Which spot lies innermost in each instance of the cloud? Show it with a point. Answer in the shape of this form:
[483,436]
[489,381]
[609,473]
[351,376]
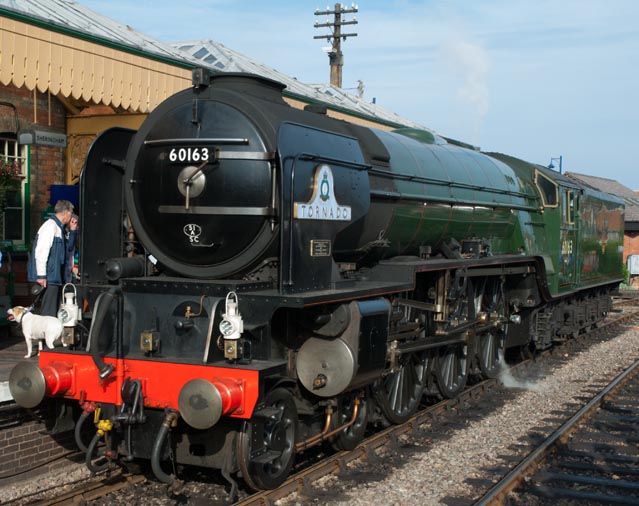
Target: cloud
[471,63]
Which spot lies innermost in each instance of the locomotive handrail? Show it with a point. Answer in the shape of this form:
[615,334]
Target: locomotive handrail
[209,334]
[245,155]
[451,201]
[100,312]
[299,156]
[452,184]
[214,140]
[118,164]
[321,158]
[219,210]
[219,154]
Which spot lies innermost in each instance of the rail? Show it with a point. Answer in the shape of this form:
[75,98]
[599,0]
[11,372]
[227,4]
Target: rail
[530,466]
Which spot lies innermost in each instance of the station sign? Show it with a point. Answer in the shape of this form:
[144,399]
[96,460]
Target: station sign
[42,138]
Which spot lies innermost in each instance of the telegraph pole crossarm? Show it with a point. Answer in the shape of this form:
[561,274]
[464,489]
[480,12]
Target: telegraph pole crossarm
[335,56]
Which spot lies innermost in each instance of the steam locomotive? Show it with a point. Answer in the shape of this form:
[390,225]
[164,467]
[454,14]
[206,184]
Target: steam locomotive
[258,279]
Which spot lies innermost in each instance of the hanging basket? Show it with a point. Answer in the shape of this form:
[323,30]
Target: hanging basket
[10,171]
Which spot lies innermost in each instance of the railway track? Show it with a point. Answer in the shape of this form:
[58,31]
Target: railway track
[593,457]
[302,481]
[90,492]
[390,437]
[82,492]
[368,451]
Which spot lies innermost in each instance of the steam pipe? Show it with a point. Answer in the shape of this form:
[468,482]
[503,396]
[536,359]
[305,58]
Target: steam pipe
[78,430]
[94,468]
[169,420]
[325,434]
[88,408]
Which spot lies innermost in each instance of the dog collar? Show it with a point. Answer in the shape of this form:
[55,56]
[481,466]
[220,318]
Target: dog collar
[26,310]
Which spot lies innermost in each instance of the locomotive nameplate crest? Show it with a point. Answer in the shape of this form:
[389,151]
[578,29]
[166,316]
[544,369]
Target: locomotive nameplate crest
[323,204]
[320,248]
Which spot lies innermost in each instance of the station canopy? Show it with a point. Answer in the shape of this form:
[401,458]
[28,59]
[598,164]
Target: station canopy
[65,48]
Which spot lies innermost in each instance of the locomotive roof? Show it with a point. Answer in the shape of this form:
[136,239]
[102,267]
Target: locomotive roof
[558,176]
[77,20]
[569,181]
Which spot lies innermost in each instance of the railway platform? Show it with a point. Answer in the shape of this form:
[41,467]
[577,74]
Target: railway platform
[12,351]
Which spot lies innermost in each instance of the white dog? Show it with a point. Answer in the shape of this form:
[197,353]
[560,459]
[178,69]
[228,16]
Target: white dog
[36,327]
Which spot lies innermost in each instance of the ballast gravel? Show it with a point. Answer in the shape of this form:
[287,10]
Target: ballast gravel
[430,477]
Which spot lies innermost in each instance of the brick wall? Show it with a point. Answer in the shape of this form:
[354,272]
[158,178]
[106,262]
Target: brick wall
[44,112]
[26,447]
[630,244]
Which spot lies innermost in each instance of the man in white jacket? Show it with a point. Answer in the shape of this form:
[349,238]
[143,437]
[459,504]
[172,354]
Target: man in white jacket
[50,254]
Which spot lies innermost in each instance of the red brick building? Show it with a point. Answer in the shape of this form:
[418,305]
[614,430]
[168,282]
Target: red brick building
[39,166]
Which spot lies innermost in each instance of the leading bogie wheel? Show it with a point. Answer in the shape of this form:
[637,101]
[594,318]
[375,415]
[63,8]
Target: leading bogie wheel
[266,443]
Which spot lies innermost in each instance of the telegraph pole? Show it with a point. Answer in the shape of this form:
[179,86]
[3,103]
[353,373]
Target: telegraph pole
[335,55]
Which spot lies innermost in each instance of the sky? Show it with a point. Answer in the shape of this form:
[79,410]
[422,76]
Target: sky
[535,79]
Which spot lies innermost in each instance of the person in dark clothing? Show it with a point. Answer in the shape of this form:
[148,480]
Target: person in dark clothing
[50,254]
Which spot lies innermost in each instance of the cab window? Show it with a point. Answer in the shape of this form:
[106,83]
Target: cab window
[548,190]
[568,205]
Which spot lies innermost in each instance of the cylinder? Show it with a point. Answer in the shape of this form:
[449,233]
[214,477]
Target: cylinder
[326,366]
